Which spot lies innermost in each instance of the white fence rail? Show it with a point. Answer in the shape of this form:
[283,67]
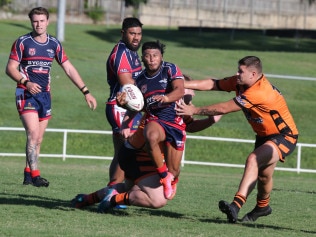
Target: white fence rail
[64,154]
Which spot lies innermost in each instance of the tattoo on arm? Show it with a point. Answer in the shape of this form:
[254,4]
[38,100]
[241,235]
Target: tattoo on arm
[208,112]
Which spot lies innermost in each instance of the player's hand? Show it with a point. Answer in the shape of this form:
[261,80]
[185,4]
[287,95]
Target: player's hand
[184,109]
[121,99]
[161,98]
[91,101]
[125,132]
[33,87]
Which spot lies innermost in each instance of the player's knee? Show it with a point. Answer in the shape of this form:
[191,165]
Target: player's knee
[159,203]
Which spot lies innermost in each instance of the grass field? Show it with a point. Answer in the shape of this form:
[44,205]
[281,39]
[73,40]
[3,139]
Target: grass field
[194,212]
[44,212]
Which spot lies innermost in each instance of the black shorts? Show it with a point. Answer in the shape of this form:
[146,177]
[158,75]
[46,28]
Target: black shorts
[285,143]
[136,164]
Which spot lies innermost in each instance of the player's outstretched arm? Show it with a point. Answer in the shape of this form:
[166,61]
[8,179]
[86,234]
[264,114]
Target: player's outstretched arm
[201,85]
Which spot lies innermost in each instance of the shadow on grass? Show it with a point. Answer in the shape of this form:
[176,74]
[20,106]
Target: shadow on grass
[20,25]
[229,40]
[34,200]
[257,226]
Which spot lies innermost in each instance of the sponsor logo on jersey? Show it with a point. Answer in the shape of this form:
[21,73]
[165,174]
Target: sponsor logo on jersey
[32,51]
[50,53]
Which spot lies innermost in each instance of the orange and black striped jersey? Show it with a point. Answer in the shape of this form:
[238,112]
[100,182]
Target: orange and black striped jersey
[263,105]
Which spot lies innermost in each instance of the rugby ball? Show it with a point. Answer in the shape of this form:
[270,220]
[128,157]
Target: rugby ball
[134,97]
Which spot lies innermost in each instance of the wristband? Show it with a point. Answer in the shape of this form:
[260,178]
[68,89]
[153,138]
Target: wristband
[86,92]
[83,88]
[24,83]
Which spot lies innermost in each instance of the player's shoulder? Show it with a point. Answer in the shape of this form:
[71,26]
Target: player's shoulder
[168,64]
[24,37]
[52,38]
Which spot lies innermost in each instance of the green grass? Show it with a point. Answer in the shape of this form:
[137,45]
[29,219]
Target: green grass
[194,212]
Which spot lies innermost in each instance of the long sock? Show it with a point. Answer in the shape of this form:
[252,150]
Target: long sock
[162,171]
[263,202]
[93,198]
[35,173]
[120,199]
[239,200]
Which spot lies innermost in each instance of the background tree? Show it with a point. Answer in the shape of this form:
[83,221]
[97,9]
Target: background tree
[135,4]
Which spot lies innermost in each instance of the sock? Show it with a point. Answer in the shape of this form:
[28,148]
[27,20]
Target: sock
[239,200]
[93,198]
[35,173]
[27,170]
[162,171]
[120,199]
[263,202]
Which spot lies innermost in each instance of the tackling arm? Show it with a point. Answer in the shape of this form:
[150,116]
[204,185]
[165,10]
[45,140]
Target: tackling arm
[201,85]
[210,110]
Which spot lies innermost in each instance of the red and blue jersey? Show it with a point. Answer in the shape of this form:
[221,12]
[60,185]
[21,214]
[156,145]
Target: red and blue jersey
[121,60]
[161,84]
[36,58]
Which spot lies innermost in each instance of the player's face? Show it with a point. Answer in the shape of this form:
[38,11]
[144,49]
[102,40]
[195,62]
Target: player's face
[245,75]
[39,24]
[132,37]
[152,59]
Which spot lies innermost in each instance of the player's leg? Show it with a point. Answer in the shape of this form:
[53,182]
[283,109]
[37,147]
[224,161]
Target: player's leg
[154,134]
[34,132]
[262,157]
[148,193]
[114,115]
[280,146]
[173,161]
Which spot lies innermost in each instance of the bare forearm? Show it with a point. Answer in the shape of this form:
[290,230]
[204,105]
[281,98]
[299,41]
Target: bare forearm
[201,85]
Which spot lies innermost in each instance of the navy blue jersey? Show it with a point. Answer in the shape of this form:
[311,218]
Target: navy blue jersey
[121,60]
[160,84]
[36,58]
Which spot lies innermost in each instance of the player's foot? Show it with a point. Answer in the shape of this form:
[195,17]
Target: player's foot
[27,178]
[167,187]
[106,204]
[38,181]
[120,207]
[80,201]
[256,213]
[229,210]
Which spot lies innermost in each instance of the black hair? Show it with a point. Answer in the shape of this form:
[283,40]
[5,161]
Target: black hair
[154,45]
[131,22]
[251,61]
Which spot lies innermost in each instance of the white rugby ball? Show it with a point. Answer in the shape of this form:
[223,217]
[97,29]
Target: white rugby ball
[134,97]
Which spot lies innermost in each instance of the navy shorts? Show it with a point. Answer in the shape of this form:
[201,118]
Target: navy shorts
[174,136]
[39,103]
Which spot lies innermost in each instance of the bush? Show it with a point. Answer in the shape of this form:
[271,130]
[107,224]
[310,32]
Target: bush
[96,14]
